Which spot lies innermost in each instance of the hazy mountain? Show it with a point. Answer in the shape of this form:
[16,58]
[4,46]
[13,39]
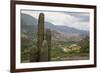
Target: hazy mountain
[29,27]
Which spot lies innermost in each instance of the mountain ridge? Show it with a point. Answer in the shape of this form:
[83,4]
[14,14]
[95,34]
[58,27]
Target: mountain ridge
[29,24]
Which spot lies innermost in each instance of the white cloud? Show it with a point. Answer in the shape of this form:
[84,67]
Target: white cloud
[76,20]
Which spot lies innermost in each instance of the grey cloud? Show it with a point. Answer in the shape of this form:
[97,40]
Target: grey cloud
[82,16]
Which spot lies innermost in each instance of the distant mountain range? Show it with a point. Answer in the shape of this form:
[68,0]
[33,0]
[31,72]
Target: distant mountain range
[59,32]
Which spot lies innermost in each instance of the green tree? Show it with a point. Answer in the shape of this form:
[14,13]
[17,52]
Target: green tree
[84,43]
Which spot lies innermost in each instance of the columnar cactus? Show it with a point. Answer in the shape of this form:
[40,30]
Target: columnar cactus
[48,38]
[44,51]
[40,33]
[43,41]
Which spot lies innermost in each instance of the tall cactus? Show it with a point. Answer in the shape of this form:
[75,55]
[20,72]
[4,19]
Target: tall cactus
[43,41]
[48,38]
[40,33]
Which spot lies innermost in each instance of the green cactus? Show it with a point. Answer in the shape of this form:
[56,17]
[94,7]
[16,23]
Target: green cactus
[40,30]
[40,33]
[48,38]
[43,41]
[44,51]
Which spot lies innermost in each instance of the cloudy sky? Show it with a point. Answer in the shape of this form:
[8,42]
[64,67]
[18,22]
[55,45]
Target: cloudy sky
[78,20]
